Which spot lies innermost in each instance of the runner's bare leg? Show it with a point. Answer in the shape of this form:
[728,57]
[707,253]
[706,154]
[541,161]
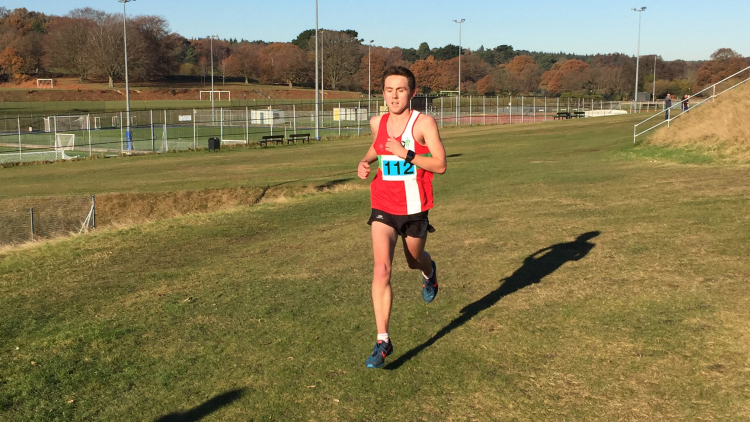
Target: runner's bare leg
[416,256]
[383,244]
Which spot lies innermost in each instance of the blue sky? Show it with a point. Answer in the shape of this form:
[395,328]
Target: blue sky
[686,29]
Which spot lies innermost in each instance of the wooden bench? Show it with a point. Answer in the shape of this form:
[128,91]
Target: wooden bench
[562,115]
[279,139]
[579,114]
[304,137]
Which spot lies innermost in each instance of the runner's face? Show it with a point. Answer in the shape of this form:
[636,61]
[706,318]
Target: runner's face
[397,93]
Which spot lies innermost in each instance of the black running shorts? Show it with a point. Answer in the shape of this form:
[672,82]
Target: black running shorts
[414,225]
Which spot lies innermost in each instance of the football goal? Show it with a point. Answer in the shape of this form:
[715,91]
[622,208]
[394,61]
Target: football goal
[45,83]
[65,141]
[209,93]
[30,157]
[66,123]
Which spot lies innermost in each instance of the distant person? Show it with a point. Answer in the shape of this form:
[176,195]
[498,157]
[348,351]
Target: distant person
[407,147]
[667,105]
[685,101]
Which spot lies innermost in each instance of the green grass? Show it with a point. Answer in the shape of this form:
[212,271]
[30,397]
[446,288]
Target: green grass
[263,312]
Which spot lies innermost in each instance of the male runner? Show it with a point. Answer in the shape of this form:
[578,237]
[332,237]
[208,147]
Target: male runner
[408,148]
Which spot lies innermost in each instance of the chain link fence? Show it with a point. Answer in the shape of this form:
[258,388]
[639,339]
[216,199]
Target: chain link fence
[30,219]
[56,137]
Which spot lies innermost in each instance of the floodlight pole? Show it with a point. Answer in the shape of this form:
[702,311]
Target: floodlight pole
[212,73]
[638,57]
[459,54]
[369,75]
[654,93]
[127,84]
[317,118]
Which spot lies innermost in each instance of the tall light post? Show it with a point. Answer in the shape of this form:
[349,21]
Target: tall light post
[212,72]
[369,75]
[128,133]
[317,116]
[654,93]
[638,57]
[459,54]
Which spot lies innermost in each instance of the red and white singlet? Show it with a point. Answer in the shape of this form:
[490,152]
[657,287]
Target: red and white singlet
[400,188]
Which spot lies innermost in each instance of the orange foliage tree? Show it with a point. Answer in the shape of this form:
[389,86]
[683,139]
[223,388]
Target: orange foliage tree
[11,62]
[525,74]
[570,76]
[724,62]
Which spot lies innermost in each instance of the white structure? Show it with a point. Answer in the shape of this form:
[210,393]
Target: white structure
[66,123]
[267,117]
[351,114]
[229,94]
[45,83]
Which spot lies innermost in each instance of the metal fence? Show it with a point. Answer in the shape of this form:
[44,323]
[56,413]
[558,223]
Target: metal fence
[30,219]
[55,137]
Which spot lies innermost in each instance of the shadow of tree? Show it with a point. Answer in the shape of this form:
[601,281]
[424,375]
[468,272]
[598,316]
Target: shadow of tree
[535,267]
[199,412]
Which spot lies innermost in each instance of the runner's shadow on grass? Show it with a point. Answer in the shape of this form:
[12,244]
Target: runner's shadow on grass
[535,267]
[453,155]
[333,183]
[199,412]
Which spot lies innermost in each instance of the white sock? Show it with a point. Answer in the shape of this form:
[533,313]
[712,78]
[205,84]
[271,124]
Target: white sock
[427,277]
[383,337]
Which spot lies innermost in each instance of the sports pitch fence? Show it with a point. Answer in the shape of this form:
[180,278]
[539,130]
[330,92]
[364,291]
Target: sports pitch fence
[55,137]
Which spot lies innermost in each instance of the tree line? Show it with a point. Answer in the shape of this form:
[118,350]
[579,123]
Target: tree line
[89,44]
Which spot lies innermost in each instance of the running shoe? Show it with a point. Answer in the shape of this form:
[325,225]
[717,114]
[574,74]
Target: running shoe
[379,352]
[430,285]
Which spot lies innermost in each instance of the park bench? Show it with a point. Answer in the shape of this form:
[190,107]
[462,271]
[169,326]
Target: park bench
[579,114]
[279,139]
[304,137]
[562,115]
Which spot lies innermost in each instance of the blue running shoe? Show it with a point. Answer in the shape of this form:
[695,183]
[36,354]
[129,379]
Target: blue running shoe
[430,286]
[379,352]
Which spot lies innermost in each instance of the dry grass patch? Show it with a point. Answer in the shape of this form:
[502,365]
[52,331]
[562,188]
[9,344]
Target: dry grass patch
[719,128]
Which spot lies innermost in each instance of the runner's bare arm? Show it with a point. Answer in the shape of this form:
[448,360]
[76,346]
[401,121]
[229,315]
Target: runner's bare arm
[363,168]
[427,127]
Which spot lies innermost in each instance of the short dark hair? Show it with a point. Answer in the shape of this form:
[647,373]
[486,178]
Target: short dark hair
[401,71]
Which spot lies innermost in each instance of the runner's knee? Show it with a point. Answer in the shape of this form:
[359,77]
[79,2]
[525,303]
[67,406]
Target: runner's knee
[382,272]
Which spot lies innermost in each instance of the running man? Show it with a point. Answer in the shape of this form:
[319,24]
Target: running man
[408,149]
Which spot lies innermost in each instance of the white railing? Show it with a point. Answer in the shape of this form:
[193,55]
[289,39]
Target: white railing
[668,117]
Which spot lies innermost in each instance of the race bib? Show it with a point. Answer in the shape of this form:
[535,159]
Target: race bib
[396,169]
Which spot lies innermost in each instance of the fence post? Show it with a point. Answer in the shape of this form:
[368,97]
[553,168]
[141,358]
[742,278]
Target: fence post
[484,111]
[55,121]
[470,115]
[247,127]
[534,112]
[294,117]
[441,112]
[165,135]
[340,116]
[93,214]
[195,129]
[510,108]
[153,142]
[545,109]
[20,145]
[88,124]
[32,223]
[221,122]
[497,109]
[359,108]
[119,123]
[522,108]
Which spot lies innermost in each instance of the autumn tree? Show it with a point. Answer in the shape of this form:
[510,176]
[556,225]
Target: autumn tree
[724,63]
[244,62]
[431,75]
[283,63]
[340,55]
[570,76]
[524,73]
[10,62]
[68,46]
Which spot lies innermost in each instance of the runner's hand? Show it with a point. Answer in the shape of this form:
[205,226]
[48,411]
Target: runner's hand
[394,147]
[363,170]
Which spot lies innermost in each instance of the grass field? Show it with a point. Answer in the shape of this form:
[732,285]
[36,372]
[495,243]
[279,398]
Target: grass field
[581,278]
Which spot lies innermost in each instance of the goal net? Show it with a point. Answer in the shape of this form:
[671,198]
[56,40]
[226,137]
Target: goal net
[65,141]
[216,95]
[30,157]
[66,123]
[45,83]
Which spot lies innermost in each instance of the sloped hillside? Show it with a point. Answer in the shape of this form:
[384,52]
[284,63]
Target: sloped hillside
[720,127]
